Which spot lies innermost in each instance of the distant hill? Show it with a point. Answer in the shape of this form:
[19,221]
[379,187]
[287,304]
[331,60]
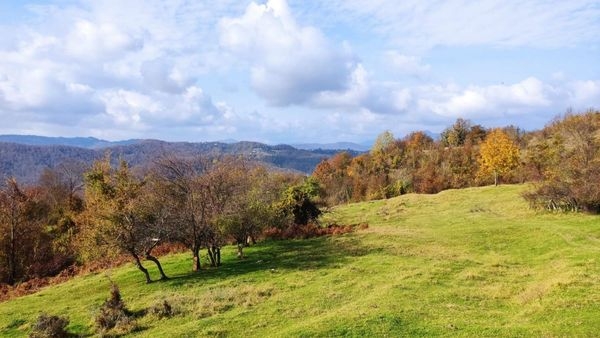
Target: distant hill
[81,142]
[27,159]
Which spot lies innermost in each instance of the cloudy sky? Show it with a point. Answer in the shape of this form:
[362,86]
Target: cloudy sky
[291,71]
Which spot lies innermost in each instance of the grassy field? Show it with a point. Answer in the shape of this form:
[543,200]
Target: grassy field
[472,262]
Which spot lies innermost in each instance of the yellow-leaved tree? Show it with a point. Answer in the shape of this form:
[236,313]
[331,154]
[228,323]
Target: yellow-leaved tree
[498,155]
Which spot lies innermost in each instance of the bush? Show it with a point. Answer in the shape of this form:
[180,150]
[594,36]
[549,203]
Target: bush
[163,309]
[310,230]
[113,313]
[49,326]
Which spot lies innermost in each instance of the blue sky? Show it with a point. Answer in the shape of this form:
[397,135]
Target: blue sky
[292,71]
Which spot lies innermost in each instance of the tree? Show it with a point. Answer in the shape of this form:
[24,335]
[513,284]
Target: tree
[498,155]
[299,202]
[333,176]
[23,243]
[566,156]
[117,217]
[197,193]
[382,141]
[178,181]
[12,206]
[456,135]
[61,191]
[251,208]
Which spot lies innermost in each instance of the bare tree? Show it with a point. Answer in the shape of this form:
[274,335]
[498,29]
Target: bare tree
[185,196]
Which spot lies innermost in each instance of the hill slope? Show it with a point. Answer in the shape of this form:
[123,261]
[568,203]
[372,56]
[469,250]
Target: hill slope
[473,262]
[26,162]
[81,142]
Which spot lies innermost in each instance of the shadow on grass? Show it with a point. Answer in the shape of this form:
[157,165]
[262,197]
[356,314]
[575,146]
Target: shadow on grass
[281,255]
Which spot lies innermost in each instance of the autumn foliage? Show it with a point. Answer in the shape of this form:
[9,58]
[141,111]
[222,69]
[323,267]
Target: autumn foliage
[563,161]
[75,215]
[498,155]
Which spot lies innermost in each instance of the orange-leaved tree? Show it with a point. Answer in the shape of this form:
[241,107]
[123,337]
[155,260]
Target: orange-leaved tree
[498,155]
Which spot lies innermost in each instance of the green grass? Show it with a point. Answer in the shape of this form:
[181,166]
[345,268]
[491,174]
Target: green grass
[472,262]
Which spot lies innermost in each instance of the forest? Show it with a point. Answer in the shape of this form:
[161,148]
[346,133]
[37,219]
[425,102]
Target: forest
[80,216]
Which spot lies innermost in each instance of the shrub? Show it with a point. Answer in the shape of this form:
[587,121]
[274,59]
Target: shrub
[113,312]
[163,309]
[310,230]
[49,326]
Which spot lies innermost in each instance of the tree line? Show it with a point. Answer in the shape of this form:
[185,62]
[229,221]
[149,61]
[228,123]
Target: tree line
[78,215]
[562,160]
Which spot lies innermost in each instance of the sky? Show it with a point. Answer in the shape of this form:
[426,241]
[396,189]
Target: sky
[292,71]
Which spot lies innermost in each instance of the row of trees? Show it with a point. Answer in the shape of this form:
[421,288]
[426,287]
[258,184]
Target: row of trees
[77,214]
[563,159]
[466,155]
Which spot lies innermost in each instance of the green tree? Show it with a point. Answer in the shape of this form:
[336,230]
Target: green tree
[251,208]
[117,217]
[498,155]
[456,135]
[300,202]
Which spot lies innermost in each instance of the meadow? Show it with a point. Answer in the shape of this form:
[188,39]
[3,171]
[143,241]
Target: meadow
[470,262]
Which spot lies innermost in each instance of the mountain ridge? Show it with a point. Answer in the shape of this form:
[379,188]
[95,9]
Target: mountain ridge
[26,162]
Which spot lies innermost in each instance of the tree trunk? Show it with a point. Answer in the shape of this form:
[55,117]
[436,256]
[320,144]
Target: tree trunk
[12,262]
[138,263]
[158,265]
[211,256]
[218,255]
[240,250]
[196,253]
[495,178]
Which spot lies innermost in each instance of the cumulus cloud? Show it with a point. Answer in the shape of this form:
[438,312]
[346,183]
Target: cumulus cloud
[289,63]
[160,75]
[345,69]
[128,66]
[90,41]
[140,111]
[483,101]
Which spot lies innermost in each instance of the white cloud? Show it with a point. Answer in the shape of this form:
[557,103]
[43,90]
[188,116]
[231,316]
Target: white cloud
[585,94]
[406,64]
[357,91]
[289,63]
[529,93]
[111,64]
[96,41]
[155,68]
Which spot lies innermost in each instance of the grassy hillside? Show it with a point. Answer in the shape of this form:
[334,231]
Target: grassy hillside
[473,262]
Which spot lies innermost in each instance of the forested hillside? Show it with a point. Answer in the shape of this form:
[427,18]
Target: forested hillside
[27,162]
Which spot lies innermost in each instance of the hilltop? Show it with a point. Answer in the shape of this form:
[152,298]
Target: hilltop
[471,262]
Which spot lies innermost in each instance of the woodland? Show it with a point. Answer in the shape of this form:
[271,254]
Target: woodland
[103,214]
